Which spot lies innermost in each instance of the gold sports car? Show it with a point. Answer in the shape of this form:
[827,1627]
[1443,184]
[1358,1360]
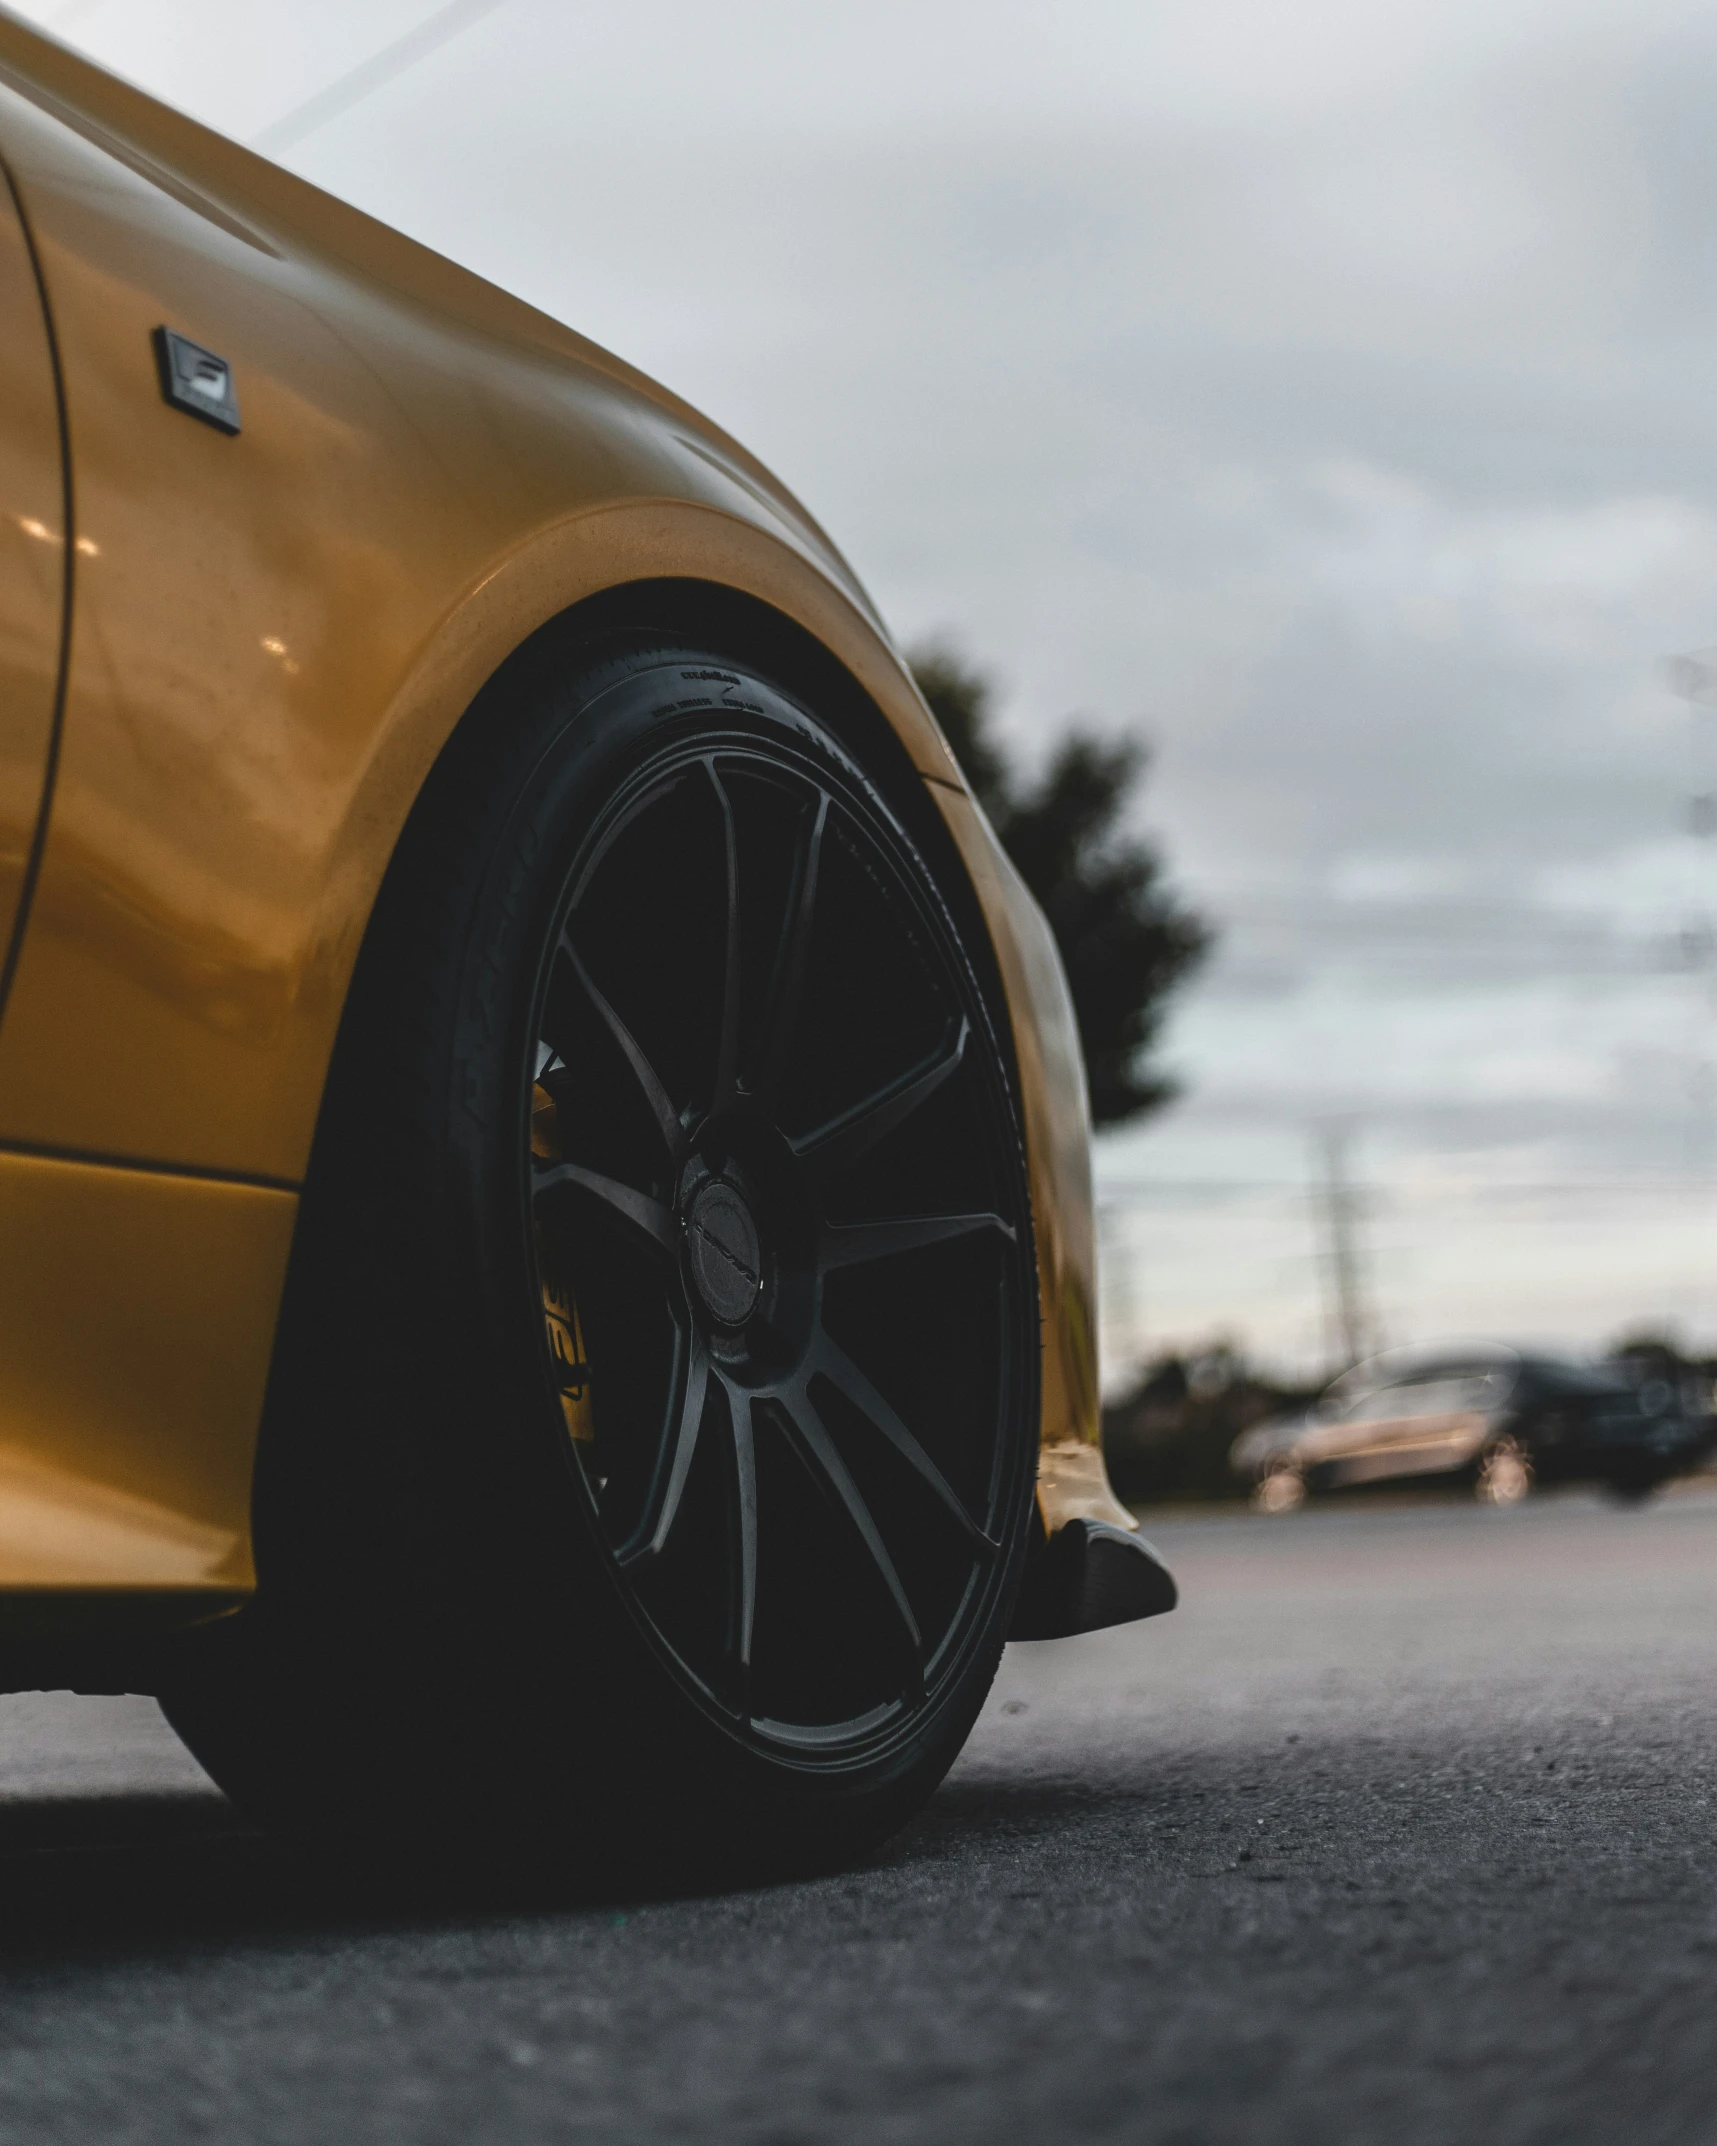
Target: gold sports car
[545,1231]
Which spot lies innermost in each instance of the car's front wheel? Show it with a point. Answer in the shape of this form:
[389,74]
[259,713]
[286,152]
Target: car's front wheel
[1279,1490]
[1504,1474]
[653,1432]
[1634,1483]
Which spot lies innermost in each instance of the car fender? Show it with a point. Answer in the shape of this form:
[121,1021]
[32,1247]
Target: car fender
[428,471]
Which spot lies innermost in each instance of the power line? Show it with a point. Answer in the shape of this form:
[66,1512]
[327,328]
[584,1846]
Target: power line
[373,74]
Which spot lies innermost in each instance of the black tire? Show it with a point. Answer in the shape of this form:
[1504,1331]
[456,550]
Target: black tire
[1635,1485]
[660,1026]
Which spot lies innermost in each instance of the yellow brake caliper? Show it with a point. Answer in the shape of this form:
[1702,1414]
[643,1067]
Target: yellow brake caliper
[560,1313]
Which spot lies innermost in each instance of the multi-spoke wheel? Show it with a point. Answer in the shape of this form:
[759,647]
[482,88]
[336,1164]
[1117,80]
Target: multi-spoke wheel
[778,1238]
[669,1237]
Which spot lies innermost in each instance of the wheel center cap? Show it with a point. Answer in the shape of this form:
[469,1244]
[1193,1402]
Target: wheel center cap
[725,1253]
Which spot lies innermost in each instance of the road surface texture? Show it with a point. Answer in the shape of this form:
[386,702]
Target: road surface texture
[1400,1830]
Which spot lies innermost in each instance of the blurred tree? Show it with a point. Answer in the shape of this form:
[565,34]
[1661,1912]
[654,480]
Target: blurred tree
[1125,941]
[1167,1439]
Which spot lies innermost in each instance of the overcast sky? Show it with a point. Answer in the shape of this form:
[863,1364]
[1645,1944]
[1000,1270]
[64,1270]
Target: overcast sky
[1327,393]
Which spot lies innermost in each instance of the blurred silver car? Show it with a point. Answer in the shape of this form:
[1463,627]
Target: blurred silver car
[1493,1415]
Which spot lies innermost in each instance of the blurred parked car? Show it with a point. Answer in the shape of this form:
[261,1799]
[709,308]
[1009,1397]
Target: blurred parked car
[1498,1418]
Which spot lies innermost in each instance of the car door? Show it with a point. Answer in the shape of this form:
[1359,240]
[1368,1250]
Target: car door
[34,579]
[1416,1427]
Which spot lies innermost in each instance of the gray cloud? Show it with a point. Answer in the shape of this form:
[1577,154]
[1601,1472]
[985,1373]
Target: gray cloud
[1323,392]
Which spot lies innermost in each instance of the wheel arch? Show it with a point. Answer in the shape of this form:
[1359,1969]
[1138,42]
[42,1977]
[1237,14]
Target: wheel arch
[790,622]
[669,567]
[889,740]
[729,585]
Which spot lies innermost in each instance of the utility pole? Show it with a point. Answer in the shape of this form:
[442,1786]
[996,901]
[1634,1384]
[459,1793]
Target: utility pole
[1348,1323]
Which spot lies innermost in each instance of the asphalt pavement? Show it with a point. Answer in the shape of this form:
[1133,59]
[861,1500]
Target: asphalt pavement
[1400,1829]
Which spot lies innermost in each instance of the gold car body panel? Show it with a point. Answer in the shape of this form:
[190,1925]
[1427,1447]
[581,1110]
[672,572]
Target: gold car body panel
[275,633]
[1072,1482]
[136,1316]
[32,559]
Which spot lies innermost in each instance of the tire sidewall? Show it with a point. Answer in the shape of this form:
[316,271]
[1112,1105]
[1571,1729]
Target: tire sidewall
[539,774]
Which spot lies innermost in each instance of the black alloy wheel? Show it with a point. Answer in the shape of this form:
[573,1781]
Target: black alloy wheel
[663,1308]
[779,1243]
